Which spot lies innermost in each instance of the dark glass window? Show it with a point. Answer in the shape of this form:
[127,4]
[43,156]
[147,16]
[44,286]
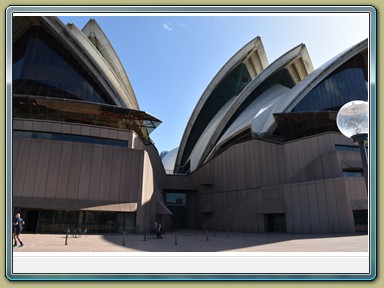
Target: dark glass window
[43,67]
[59,221]
[353,173]
[69,137]
[347,83]
[346,148]
[176,199]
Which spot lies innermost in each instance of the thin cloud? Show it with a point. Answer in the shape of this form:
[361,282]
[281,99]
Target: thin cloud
[167,26]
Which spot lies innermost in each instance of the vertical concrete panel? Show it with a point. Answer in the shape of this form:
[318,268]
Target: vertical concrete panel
[17,124]
[240,165]
[264,158]
[313,208]
[31,172]
[323,208]
[247,165]
[136,178]
[53,169]
[66,128]
[85,171]
[36,126]
[228,176]
[233,173]
[282,165]
[15,154]
[224,169]
[96,171]
[267,159]
[56,127]
[76,130]
[248,206]
[288,161]
[297,214]
[27,125]
[288,208]
[317,160]
[335,169]
[327,169]
[85,130]
[126,194]
[324,157]
[95,132]
[74,173]
[65,167]
[252,161]
[332,207]
[42,169]
[276,178]
[300,150]
[344,207]
[106,173]
[116,174]
[21,167]
[306,216]
[295,162]
[361,189]
[353,194]
[309,169]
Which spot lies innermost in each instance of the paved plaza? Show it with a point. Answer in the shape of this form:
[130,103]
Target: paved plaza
[194,241]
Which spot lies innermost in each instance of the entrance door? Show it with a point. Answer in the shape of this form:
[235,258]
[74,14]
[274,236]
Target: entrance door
[275,222]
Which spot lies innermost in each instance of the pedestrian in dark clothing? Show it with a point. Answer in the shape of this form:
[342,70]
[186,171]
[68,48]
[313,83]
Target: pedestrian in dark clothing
[18,227]
[159,231]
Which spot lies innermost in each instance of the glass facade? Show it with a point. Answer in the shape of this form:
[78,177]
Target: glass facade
[70,138]
[349,82]
[42,66]
[74,111]
[59,221]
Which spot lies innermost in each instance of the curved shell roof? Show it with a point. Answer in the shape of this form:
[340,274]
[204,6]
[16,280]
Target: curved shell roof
[247,63]
[98,56]
[277,88]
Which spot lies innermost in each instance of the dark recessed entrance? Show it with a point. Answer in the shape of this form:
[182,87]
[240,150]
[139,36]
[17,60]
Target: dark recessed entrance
[275,222]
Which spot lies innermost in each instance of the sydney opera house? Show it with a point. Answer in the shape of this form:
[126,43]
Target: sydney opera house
[261,151]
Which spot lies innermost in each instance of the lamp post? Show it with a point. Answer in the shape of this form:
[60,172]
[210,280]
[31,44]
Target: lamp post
[352,121]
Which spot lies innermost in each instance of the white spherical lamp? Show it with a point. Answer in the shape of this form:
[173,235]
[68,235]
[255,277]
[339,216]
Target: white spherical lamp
[352,118]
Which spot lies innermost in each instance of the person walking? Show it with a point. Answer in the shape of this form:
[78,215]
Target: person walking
[158,231]
[18,227]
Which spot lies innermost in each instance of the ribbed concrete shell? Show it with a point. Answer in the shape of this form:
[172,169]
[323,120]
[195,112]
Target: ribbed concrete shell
[255,113]
[253,56]
[286,102]
[299,54]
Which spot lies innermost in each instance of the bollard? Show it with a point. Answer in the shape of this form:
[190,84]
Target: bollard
[123,238]
[66,237]
[228,233]
[175,239]
[206,234]
[145,236]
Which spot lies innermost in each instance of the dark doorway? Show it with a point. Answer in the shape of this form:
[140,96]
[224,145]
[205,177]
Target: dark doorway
[274,222]
[31,220]
[361,220]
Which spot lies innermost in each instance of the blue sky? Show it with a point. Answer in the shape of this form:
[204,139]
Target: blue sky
[170,60]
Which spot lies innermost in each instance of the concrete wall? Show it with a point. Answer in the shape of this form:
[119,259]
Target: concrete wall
[302,179]
[71,176]
[62,175]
